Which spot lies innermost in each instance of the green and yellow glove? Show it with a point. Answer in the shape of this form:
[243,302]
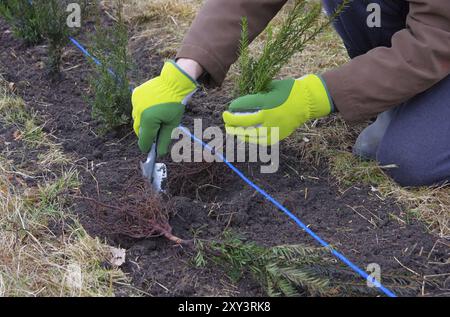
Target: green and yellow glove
[158,106]
[288,104]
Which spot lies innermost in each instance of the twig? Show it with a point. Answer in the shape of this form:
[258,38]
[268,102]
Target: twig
[97,202]
[405,267]
[362,216]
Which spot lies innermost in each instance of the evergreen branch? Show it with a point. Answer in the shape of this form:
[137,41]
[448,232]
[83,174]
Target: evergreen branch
[301,26]
[292,270]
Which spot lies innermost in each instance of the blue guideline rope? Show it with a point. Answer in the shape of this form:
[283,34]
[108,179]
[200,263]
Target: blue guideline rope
[86,53]
[267,196]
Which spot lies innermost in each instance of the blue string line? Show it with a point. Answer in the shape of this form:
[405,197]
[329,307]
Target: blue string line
[267,196]
[86,53]
[353,266]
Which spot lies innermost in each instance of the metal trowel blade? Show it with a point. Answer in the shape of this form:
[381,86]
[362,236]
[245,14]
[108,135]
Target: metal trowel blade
[155,173]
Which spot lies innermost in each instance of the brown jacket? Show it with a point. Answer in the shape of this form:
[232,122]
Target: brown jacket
[367,85]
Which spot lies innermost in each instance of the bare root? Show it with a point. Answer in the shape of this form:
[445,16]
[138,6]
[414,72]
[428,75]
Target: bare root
[139,214]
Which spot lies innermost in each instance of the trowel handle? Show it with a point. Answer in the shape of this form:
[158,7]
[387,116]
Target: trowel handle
[152,155]
[149,165]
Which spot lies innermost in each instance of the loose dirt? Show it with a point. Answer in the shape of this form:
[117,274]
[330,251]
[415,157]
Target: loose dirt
[206,198]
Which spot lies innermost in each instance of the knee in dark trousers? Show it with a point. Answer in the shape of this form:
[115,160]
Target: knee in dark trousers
[358,36]
[405,169]
[417,140]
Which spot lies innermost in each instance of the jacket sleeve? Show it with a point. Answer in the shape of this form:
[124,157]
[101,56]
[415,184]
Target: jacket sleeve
[385,77]
[213,39]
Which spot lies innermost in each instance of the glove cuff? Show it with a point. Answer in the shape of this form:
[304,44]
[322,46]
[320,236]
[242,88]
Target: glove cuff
[178,80]
[319,100]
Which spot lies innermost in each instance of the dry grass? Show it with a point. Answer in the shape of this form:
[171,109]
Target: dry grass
[428,204]
[330,141]
[159,11]
[44,251]
[13,113]
[164,21]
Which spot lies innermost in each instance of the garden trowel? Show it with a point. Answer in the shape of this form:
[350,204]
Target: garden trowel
[155,173]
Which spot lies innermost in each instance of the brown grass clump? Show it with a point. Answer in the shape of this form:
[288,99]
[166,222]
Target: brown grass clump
[44,251]
[174,11]
[428,204]
[162,21]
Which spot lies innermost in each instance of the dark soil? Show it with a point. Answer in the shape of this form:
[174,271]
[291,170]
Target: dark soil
[207,198]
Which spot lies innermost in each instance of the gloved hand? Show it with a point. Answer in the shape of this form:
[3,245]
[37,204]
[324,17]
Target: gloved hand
[158,106]
[289,104]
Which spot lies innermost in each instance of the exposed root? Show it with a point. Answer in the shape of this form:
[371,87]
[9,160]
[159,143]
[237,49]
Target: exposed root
[140,215]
